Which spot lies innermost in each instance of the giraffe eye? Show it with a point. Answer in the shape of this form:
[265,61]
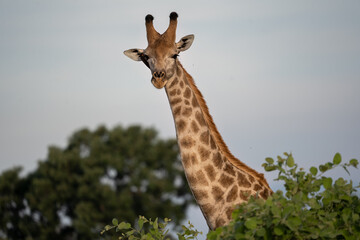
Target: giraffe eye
[174,56]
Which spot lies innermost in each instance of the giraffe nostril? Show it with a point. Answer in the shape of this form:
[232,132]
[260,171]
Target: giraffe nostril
[159,74]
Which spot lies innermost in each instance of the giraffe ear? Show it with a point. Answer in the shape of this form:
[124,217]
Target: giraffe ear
[185,43]
[134,53]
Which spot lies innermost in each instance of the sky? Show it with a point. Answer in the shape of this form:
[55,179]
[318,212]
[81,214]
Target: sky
[278,76]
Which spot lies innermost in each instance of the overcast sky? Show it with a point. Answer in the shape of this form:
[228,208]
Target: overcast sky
[277,75]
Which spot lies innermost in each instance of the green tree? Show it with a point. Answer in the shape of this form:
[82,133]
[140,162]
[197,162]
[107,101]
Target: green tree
[72,194]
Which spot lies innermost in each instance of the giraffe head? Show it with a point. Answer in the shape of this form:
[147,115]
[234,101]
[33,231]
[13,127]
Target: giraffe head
[162,51]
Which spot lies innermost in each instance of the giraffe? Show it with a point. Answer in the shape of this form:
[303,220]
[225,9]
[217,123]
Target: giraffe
[217,179]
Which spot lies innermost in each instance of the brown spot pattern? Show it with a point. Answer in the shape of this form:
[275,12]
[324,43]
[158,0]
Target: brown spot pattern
[242,181]
[187,102]
[172,92]
[201,179]
[191,179]
[212,143]
[264,194]
[182,84]
[194,102]
[217,160]
[229,169]
[217,193]
[175,101]
[187,142]
[194,127]
[204,153]
[229,212]
[204,137]
[251,179]
[232,195]
[200,119]
[194,161]
[200,195]
[208,208]
[219,222]
[187,93]
[181,125]
[245,194]
[186,160]
[177,111]
[178,92]
[210,172]
[173,83]
[226,181]
[257,187]
[187,112]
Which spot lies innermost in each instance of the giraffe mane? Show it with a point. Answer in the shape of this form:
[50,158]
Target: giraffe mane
[215,133]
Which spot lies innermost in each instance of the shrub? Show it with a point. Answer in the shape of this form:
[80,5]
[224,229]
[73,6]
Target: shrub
[313,207]
[149,230]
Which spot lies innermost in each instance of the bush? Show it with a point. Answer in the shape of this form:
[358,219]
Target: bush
[313,207]
[149,230]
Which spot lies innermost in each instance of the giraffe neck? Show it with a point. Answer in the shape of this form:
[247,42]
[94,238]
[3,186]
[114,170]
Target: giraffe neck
[216,178]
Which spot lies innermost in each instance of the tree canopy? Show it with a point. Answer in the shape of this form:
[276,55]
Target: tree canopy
[76,190]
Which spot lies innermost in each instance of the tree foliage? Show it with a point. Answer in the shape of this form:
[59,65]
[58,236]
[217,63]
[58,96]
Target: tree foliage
[72,194]
[313,207]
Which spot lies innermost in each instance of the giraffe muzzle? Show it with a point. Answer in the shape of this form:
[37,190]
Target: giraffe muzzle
[158,79]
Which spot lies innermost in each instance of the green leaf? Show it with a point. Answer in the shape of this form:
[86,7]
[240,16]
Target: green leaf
[115,222]
[340,182]
[346,214]
[327,182]
[141,223]
[354,162]
[290,161]
[293,222]
[323,168]
[124,225]
[155,224]
[278,231]
[130,233]
[313,171]
[345,197]
[181,237]
[337,159]
[108,227]
[261,232]
[269,160]
[270,168]
[132,237]
[213,234]
[251,223]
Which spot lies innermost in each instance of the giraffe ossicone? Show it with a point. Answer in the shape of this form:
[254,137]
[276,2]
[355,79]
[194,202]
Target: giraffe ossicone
[217,179]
